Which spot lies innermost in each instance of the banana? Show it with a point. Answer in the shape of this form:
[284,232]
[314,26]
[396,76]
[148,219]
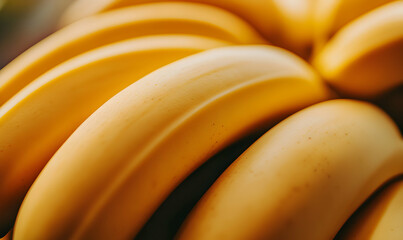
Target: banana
[364,59]
[303,178]
[381,217]
[286,23]
[296,25]
[96,31]
[331,15]
[43,115]
[117,168]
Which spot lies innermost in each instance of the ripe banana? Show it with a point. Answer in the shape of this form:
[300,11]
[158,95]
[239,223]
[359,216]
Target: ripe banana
[43,115]
[117,168]
[331,15]
[284,22]
[96,31]
[365,58]
[303,178]
[379,219]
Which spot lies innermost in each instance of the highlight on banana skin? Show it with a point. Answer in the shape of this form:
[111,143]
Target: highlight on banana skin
[201,119]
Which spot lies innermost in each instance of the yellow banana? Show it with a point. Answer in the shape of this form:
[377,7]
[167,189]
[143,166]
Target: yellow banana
[380,218]
[116,169]
[365,58]
[38,119]
[257,12]
[331,15]
[284,22]
[296,24]
[96,31]
[303,178]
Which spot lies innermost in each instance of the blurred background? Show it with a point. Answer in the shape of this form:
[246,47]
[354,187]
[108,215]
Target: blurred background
[25,22]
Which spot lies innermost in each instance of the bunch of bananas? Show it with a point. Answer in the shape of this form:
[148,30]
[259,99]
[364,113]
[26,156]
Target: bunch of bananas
[101,121]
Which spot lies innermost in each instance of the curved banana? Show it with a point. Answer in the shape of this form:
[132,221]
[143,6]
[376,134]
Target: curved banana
[116,169]
[303,178]
[43,115]
[96,31]
[365,58]
[381,217]
[331,15]
[286,23]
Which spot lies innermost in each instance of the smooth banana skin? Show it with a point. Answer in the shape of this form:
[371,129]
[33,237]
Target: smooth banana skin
[365,58]
[96,31]
[286,23]
[380,218]
[117,168]
[329,16]
[303,178]
[38,119]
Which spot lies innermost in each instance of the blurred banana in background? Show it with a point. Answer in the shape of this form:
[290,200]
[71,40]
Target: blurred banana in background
[364,59]
[96,31]
[286,23]
[332,15]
